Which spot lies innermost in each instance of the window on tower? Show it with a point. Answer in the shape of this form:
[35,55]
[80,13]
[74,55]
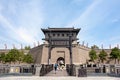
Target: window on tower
[67,35]
[48,35]
[62,35]
[53,34]
[58,34]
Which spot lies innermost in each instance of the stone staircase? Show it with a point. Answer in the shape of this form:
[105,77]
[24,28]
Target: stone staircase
[58,73]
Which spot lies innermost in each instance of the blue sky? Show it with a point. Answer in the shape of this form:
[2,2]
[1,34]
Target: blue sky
[21,20]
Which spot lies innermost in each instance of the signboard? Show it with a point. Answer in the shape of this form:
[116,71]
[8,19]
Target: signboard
[60,43]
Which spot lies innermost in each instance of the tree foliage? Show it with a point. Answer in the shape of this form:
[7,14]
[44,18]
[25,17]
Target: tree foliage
[115,54]
[8,58]
[28,58]
[12,55]
[94,47]
[27,48]
[2,57]
[93,55]
[102,56]
[15,55]
[20,56]
[118,58]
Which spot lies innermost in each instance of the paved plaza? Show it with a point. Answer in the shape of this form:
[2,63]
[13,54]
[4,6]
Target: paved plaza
[56,78]
[60,75]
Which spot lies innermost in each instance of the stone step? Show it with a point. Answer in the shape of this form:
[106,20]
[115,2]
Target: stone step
[57,73]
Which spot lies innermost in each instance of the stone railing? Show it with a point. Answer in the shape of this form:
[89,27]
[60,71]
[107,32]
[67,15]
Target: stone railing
[82,72]
[17,69]
[45,69]
[4,69]
[25,69]
[76,70]
[71,69]
[115,70]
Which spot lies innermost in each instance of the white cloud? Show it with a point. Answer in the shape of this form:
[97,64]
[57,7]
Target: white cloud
[113,41]
[25,36]
[115,38]
[20,34]
[88,20]
[24,26]
[115,20]
[5,22]
[82,19]
[1,8]
[13,33]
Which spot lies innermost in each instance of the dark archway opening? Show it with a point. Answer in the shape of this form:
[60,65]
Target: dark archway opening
[61,61]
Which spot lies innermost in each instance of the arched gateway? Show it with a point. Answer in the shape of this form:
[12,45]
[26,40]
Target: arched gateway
[60,42]
[61,61]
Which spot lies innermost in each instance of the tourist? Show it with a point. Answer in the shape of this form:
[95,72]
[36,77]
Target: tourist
[62,66]
[55,67]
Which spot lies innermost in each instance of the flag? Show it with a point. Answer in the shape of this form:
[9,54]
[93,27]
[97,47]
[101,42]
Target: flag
[21,46]
[118,46]
[87,45]
[110,46]
[83,43]
[13,46]
[102,46]
[5,46]
[34,44]
[38,43]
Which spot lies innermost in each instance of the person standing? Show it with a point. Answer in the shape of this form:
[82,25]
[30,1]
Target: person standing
[55,67]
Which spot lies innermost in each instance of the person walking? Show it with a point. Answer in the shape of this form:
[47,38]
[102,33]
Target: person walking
[55,67]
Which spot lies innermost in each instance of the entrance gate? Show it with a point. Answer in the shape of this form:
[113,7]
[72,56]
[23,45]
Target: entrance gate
[61,61]
[60,37]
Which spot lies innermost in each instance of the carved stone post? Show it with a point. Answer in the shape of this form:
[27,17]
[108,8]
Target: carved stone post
[50,47]
[70,48]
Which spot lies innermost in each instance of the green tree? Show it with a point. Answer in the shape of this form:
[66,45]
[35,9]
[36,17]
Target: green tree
[2,57]
[115,54]
[94,47]
[93,55]
[102,56]
[7,58]
[12,56]
[27,48]
[119,58]
[20,56]
[28,58]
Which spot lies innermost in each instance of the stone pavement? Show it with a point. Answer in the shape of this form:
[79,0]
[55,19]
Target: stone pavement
[56,78]
[58,73]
